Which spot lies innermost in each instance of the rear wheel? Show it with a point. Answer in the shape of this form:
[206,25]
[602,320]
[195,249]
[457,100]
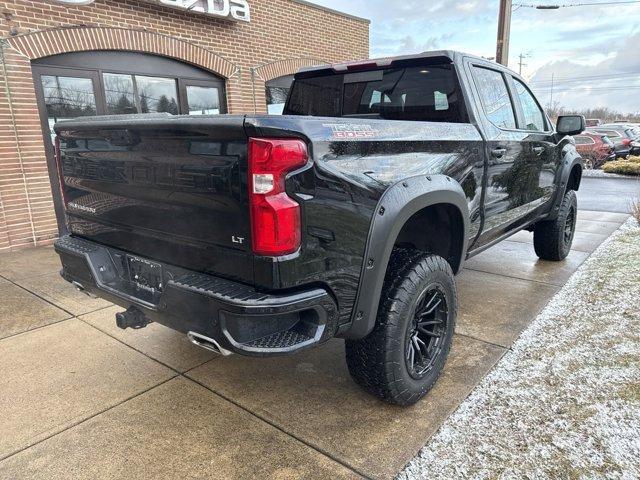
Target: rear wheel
[401,359]
[552,239]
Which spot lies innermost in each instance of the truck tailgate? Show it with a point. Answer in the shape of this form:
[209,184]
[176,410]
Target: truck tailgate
[163,187]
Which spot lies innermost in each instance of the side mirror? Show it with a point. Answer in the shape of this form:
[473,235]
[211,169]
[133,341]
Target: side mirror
[571,124]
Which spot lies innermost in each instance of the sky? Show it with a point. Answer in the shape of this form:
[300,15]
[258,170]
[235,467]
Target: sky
[592,52]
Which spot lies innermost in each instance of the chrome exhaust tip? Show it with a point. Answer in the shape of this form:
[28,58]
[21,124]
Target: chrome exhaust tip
[207,343]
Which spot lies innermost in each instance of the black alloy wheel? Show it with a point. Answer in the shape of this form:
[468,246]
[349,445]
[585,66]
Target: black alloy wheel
[423,344]
[402,358]
[570,226]
[552,239]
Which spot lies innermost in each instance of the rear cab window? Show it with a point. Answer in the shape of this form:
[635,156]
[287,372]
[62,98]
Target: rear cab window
[422,93]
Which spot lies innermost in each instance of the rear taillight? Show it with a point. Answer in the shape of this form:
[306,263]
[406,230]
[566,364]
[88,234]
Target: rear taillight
[626,142]
[58,159]
[275,217]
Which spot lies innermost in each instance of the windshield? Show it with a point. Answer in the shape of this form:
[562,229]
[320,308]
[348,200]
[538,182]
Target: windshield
[429,93]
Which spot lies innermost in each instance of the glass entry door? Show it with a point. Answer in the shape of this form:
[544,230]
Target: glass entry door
[108,83]
[63,94]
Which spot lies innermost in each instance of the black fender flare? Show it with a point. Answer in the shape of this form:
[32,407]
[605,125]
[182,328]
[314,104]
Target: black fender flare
[570,158]
[397,205]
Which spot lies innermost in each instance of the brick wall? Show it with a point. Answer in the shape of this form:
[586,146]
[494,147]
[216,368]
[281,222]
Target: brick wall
[283,35]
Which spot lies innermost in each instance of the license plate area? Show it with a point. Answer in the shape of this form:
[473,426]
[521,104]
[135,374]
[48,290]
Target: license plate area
[144,274]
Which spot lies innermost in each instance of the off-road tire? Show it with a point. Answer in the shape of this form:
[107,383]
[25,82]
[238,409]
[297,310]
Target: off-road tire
[378,362]
[552,239]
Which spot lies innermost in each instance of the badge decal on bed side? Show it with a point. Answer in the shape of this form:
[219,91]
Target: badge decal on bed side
[351,130]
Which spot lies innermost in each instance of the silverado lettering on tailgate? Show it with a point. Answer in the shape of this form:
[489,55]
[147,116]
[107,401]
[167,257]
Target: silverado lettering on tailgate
[195,178]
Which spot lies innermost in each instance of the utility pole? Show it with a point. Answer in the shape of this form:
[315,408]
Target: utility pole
[504,29]
[521,64]
[551,98]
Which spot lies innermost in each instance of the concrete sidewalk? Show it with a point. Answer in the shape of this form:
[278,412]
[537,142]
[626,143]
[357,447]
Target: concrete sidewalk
[83,399]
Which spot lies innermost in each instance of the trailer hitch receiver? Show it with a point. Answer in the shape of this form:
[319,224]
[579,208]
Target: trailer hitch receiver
[131,318]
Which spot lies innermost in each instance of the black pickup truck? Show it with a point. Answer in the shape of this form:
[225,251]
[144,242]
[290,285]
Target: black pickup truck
[346,217]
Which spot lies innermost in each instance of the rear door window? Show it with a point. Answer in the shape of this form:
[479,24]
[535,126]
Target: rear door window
[495,98]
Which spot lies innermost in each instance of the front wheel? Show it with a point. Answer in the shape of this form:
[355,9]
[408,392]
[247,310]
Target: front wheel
[552,239]
[401,359]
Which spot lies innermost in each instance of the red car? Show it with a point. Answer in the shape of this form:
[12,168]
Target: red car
[595,149]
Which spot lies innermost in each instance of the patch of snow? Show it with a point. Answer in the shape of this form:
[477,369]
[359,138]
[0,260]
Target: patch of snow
[564,402]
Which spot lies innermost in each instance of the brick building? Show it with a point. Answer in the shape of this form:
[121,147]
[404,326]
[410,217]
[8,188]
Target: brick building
[67,58]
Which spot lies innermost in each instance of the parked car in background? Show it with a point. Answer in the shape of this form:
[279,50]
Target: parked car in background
[635,128]
[622,136]
[625,122]
[631,132]
[595,149]
[593,122]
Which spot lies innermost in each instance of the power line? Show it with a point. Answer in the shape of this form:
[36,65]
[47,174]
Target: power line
[555,7]
[586,77]
[587,89]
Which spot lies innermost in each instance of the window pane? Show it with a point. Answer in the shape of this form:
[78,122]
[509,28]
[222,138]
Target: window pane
[417,93]
[276,98]
[277,90]
[119,93]
[420,93]
[203,100]
[318,96]
[533,116]
[495,97]
[157,95]
[67,97]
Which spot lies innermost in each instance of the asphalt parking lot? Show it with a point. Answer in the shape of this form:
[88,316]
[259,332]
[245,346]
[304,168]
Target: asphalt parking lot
[608,194]
[81,398]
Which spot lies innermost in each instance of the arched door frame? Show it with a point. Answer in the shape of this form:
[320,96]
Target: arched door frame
[68,39]
[278,68]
